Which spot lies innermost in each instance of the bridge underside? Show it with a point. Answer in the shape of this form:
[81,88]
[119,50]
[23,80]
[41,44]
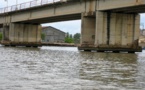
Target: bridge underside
[53,19]
[133,9]
[113,29]
[101,31]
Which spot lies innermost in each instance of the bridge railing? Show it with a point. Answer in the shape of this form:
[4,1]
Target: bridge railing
[27,5]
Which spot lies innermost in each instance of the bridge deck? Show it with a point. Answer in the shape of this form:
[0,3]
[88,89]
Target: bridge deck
[133,9]
[45,13]
[127,6]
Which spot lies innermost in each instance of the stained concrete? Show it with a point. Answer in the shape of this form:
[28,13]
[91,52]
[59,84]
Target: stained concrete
[106,24]
[23,34]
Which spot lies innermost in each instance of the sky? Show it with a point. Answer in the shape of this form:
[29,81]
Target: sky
[68,26]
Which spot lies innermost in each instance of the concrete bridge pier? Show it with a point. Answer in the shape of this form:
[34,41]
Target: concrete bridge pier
[109,31]
[20,34]
[88,30]
[5,33]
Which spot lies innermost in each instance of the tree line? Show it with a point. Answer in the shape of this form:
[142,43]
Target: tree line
[72,38]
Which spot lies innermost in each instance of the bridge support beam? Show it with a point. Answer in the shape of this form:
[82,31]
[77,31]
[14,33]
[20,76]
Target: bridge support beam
[111,32]
[22,34]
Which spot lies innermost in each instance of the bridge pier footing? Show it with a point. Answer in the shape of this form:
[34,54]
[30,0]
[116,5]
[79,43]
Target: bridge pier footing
[115,50]
[109,31]
[18,34]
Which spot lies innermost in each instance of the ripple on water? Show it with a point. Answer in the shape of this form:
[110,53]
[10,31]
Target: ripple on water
[65,68]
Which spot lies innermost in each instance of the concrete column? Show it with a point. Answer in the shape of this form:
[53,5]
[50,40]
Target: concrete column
[117,31]
[12,34]
[88,30]
[23,34]
[39,33]
[6,33]
[124,30]
[137,27]
[113,32]
[101,29]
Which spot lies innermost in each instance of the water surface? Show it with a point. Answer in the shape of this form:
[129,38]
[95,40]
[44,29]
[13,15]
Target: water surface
[66,68]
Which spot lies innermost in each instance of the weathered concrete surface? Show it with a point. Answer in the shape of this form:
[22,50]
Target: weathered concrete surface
[71,10]
[88,30]
[6,33]
[101,28]
[22,34]
[127,6]
[106,24]
[114,31]
[48,13]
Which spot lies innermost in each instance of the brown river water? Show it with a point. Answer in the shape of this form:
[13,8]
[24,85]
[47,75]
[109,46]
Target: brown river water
[66,68]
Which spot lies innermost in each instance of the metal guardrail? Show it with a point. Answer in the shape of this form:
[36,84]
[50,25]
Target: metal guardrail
[30,4]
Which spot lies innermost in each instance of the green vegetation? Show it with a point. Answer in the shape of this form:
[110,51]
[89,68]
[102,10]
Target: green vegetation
[72,39]
[68,38]
[1,35]
[42,36]
[77,38]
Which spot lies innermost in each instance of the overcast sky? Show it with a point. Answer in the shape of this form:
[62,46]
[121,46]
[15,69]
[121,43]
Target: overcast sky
[68,26]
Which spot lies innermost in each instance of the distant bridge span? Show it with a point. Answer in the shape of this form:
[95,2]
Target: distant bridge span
[107,25]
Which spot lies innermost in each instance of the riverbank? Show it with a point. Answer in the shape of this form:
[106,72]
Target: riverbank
[45,44]
[59,44]
[142,41]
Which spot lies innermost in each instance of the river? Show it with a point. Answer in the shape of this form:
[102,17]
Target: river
[66,68]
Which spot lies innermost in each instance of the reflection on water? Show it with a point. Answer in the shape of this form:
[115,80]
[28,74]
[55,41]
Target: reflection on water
[65,68]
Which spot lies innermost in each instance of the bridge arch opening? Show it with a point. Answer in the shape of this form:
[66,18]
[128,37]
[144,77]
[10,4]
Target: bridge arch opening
[71,27]
[64,31]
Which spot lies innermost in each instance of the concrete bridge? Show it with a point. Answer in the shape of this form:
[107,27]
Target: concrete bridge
[107,25]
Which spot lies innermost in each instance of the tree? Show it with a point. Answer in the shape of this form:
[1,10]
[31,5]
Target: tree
[42,36]
[71,36]
[77,38]
[68,38]
[1,35]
